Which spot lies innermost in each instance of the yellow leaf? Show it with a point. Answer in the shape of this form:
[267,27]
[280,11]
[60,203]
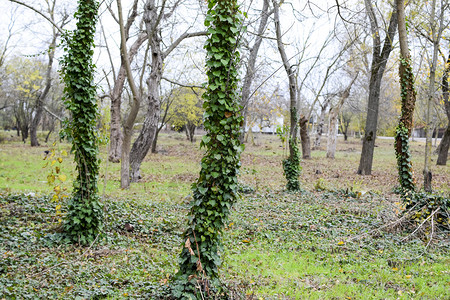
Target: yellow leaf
[60,159]
[50,179]
[64,153]
[245,241]
[62,177]
[408,276]
[395,269]
[57,169]
[57,189]
[58,207]
[53,162]
[341,243]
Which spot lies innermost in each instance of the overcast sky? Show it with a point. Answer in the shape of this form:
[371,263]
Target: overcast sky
[32,32]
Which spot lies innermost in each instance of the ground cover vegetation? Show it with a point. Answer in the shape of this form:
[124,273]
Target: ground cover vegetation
[343,236]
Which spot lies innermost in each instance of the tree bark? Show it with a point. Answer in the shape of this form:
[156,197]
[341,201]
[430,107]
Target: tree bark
[436,36]
[145,139]
[445,142]
[379,61]
[319,129]
[41,99]
[128,126]
[333,120]
[304,137]
[250,73]
[116,136]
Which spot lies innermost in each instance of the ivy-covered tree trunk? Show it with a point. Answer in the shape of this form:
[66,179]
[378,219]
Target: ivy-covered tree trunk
[291,165]
[216,188]
[408,95]
[84,214]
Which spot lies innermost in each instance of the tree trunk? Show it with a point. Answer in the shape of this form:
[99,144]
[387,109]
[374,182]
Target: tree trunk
[190,129]
[148,132]
[116,135]
[445,142]
[135,103]
[40,101]
[332,135]
[333,120]
[35,123]
[250,73]
[444,147]
[436,36]
[379,61]
[291,165]
[304,137]
[154,142]
[320,124]
[408,95]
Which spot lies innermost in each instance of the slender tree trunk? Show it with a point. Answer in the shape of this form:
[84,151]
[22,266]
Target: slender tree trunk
[116,134]
[128,126]
[445,142]
[379,61]
[291,165]
[250,73]
[333,120]
[436,36]
[320,124]
[304,137]
[40,101]
[148,132]
[408,95]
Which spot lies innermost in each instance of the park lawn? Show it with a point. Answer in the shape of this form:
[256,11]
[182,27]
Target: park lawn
[323,243]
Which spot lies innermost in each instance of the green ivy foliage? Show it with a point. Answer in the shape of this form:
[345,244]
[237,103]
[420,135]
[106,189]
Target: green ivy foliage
[403,130]
[217,187]
[291,165]
[83,221]
[291,168]
[425,204]
[404,165]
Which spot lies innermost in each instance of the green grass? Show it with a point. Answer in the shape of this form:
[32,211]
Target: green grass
[313,245]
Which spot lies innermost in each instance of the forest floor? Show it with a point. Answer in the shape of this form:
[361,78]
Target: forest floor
[341,238]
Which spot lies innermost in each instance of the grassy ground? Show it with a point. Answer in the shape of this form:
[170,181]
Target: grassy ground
[319,244]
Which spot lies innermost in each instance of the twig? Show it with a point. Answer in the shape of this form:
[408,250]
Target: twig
[432,232]
[384,226]
[431,215]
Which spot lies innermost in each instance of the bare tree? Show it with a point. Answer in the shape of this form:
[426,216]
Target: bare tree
[116,135]
[40,102]
[253,54]
[128,125]
[333,118]
[379,60]
[152,19]
[436,33]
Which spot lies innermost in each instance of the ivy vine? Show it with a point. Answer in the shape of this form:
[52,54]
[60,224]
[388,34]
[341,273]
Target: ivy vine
[291,165]
[403,130]
[83,221]
[404,165]
[291,168]
[216,188]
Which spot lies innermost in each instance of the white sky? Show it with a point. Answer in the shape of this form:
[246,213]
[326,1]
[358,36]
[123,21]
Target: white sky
[32,32]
